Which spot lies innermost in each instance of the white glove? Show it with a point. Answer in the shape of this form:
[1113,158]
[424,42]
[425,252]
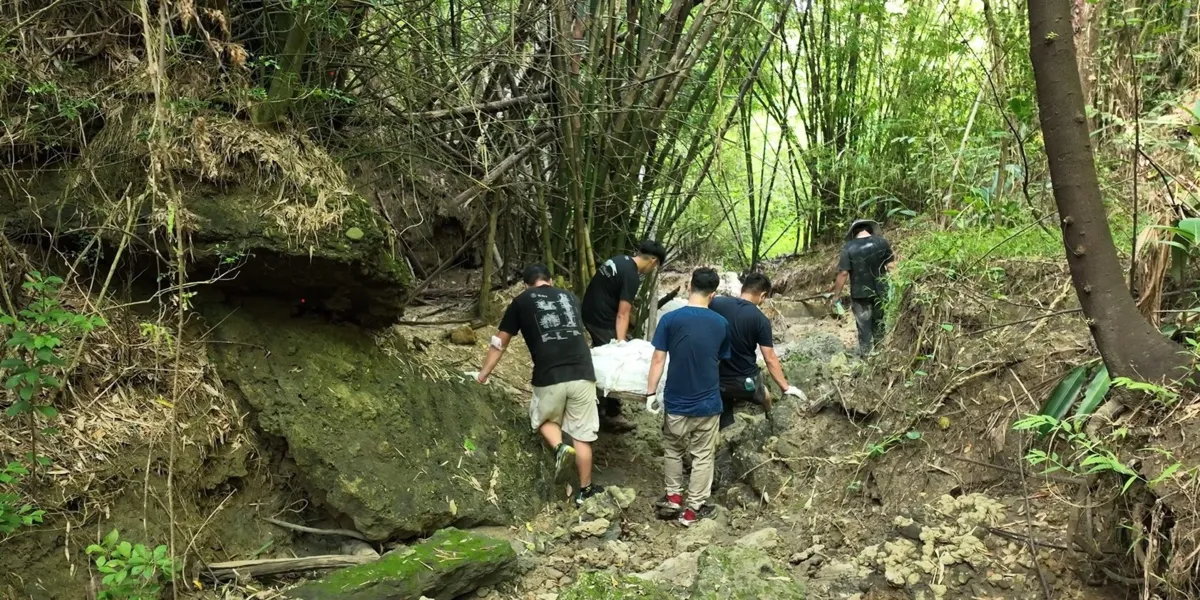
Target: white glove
[473,375]
[795,392]
[653,405]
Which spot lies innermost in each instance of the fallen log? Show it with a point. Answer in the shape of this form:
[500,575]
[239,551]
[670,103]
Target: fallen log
[276,566]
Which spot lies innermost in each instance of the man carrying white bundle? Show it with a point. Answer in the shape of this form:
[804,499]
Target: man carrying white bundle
[741,379]
[696,339]
[564,381]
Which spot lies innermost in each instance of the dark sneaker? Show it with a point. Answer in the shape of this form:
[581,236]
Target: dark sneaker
[562,455]
[670,502]
[587,492]
[690,517]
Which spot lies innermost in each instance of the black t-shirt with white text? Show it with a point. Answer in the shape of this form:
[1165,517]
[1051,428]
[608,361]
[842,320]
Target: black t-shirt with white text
[615,280]
[866,259]
[549,320]
[749,329]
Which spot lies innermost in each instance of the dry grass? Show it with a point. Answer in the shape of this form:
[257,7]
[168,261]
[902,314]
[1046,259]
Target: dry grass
[116,406]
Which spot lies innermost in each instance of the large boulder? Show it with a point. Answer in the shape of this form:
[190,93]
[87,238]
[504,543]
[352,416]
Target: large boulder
[447,565]
[400,449]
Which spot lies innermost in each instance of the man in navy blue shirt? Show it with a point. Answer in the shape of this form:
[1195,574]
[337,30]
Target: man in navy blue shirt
[696,339]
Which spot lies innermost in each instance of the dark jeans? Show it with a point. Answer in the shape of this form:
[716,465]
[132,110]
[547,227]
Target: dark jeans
[868,315]
[733,390]
[609,407]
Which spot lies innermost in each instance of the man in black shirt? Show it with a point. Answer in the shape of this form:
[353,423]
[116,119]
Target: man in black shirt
[741,379]
[564,382]
[608,305]
[865,261]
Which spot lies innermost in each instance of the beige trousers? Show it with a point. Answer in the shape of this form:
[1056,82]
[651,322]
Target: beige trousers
[696,436]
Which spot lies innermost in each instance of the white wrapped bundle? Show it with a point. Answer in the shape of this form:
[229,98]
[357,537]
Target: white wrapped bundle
[625,367]
[675,303]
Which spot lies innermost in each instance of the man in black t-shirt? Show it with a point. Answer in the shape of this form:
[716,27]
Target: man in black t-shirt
[564,381]
[741,379]
[865,261]
[608,305]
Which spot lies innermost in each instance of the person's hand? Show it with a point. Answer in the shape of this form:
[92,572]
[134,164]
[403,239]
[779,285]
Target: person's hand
[795,392]
[653,404]
[480,377]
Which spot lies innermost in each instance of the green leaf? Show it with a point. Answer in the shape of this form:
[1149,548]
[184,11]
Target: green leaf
[1166,474]
[111,538]
[1064,395]
[1191,228]
[1096,391]
[26,393]
[47,411]
[13,382]
[18,408]
[124,548]
[94,549]
[11,363]
[913,435]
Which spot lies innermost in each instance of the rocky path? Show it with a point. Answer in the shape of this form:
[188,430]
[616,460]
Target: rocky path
[826,504]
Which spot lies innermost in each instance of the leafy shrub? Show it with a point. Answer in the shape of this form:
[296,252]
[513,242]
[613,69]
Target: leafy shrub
[13,514]
[32,354]
[131,571]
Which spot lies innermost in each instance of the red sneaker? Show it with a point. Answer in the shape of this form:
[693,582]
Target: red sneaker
[670,502]
[688,518]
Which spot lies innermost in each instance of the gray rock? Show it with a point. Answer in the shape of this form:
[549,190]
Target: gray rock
[679,571]
[593,528]
[763,539]
[699,535]
[739,573]
[358,548]
[610,504]
[447,565]
[819,347]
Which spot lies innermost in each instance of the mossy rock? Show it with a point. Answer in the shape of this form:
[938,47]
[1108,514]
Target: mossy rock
[235,238]
[739,573]
[447,565]
[397,449]
[603,585]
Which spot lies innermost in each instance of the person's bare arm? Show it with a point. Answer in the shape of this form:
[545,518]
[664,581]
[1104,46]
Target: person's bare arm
[624,312]
[774,367]
[840,284]
[494,355]
[656,370]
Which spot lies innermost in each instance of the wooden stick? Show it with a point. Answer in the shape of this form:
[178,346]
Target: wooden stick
[342,532]
[276,566]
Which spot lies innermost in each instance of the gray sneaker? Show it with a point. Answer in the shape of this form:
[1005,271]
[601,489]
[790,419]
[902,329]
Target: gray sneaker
[562,455]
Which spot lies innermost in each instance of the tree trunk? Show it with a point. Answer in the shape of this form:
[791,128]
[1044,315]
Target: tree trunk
[1129,345]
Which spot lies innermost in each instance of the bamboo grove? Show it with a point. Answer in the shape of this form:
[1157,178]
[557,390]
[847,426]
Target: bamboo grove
[565,131]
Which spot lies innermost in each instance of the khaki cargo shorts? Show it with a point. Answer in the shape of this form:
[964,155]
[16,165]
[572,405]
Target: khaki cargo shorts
[571,404]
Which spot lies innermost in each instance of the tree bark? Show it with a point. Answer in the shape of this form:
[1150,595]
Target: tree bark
[1129,345]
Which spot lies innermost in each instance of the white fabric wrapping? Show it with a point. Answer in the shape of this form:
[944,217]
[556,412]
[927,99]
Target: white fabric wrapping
[625,367]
